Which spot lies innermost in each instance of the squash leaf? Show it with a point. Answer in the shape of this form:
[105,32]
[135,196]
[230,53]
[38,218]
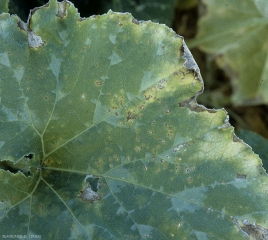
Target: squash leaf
[101,136]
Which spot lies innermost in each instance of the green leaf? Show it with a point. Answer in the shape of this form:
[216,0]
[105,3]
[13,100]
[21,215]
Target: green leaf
[101,136]
[258,143]
[160,11]
[239,31]
[4,6]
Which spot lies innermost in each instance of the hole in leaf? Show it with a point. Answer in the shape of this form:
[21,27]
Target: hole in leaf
[94,183]
[90,193]
[15,167]
[29,156]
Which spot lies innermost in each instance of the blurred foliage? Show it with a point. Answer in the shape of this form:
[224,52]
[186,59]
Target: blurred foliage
[3,6]
[86,7]
[258,144]
[237,31]
[160,11]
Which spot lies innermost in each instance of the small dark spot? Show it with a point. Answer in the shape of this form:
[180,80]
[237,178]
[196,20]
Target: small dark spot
[241,176]
[160,86]
[47,161]
[181,50]
[147,97]
[131,115]
[187,169]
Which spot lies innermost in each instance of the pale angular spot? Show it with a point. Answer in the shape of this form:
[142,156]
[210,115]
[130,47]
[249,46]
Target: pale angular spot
[23,209]
[61,94]
[183,201]
[130,96]
[18,73]
[54,65]
[63,34]
[104,78]
[201,235]
[115,58]
[146,80]
[88,41]
[2,143]
[112,38]
[145,230]
[133,227]
[223,213]
[116,187]
[3,29]
[160,49]
[4,59]
[179,140]
[120,211]
[8,114]
[239,183]
[100,112]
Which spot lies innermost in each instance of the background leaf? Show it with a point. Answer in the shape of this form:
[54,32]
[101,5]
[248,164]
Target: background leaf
[102,111]
[160,11]
[258,143]
[4,6]
[238,31]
